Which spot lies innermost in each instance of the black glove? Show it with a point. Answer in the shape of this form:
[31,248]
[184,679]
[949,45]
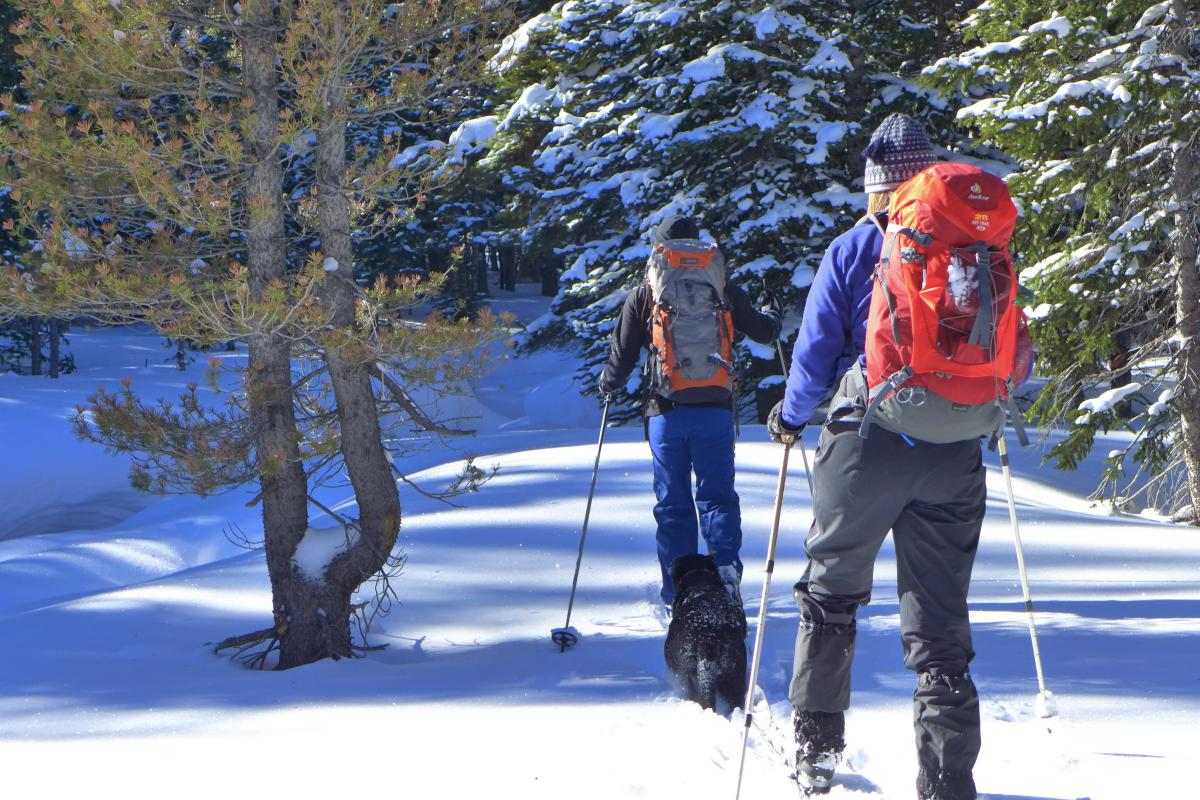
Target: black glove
[779,428]
[769,304]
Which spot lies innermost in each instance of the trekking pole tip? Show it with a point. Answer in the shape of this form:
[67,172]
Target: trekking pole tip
[1045,705]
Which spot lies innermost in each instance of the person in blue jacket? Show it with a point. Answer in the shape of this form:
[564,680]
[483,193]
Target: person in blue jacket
[931,496]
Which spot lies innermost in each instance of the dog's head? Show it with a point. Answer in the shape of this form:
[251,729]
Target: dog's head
[692,572]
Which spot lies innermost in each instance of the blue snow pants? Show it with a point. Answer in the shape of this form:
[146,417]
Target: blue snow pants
[683,441]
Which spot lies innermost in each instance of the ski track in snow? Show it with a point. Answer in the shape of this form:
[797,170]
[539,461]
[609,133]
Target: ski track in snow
[109,598]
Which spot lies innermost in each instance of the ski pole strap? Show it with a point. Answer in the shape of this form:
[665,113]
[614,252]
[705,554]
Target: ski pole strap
[879,394]
[1015,416]
[982,334]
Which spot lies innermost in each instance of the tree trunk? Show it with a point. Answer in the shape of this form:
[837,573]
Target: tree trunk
[1187,309]
[857,93]
[477,255]
[367,463]
[269,376]
[507,256]
[1186,190]
[35,346]
[55,347]
[552,267]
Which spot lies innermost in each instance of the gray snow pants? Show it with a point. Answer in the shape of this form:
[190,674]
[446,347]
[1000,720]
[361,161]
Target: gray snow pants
[932,497]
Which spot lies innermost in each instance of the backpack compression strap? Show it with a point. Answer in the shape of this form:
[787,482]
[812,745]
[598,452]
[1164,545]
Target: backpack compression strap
[983,331]
[879,394]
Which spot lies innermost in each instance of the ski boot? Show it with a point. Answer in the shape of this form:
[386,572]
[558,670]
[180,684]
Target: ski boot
[945,785]
[732,581]
[819,745]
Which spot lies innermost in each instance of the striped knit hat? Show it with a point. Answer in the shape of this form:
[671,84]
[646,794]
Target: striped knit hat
[898,150]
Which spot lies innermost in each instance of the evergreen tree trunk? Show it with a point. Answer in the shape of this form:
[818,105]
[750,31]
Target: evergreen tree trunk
[35,346]
[477,255]
[858,90]
[55,350]
[367,463]
[284,486]
[1187,292]
[507,256]
[1187,309]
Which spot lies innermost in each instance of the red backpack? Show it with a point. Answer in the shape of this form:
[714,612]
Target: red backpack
[946,344]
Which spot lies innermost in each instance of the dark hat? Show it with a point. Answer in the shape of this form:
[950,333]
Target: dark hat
[899,149]
[677,227]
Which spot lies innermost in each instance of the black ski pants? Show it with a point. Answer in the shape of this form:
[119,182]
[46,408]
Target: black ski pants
[932,497]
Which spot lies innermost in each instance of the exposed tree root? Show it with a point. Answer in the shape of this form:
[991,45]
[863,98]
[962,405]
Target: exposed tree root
[253,649]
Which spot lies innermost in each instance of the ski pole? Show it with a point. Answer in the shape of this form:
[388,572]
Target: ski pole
[564,637]
[782,360]
[788,441]
[1045,700]
[807,471]
[803,452]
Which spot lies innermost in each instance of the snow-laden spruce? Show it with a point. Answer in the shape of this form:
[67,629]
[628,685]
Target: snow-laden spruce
[1098,104]
[748,116]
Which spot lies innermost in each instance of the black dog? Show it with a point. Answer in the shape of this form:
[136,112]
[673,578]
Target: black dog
[706,641]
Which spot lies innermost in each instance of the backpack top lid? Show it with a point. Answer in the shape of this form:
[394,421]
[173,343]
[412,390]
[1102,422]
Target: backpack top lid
[956,203]
[685,260]
[684,253]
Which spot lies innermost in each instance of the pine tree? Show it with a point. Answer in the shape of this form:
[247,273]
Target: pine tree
[749,116]
[29,345]
[151,167]
[1098,104]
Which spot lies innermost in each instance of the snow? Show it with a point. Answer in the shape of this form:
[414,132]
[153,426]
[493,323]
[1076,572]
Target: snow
[1107,87]
[471,136]
[1153,14]
[518,41]
[1134,223]
[712,65]
[1059,26]
[320,546]
[412,155]
[659,126]
[1109,399]
[533,98]
[109,600]
[829,58]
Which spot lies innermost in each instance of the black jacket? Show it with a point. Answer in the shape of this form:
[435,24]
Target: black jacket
[633,333]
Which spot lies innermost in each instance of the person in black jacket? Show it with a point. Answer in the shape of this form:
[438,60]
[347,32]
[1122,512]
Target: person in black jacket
[688,438]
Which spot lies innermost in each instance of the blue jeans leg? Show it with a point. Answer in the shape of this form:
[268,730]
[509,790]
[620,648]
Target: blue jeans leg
[685,440]
[717,502]
[675,511]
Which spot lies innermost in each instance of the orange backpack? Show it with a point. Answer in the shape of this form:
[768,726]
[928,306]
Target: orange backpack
[691,327]
[946,342]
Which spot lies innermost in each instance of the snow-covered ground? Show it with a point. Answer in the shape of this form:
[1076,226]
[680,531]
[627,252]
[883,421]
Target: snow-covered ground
[109,600]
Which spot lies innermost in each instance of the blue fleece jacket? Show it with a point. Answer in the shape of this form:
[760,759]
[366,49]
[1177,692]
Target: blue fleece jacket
[833,332]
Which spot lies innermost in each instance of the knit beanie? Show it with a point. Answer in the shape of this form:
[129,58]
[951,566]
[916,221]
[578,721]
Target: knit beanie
[677,227]
[898,150]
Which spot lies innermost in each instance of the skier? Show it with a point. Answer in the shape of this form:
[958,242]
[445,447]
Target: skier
[685,314]
[930,495]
